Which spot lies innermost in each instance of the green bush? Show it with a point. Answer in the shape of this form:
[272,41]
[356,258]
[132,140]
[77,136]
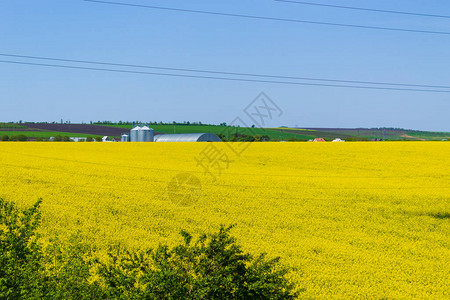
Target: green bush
[29,271]
[5,138]
[69,270]
[212,267]
[21,271]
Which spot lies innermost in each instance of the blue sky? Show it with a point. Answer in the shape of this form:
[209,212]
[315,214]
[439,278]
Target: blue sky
[80,30]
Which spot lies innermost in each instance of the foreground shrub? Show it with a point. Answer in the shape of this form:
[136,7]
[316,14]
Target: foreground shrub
[214,267]
[69,270]
[21,272]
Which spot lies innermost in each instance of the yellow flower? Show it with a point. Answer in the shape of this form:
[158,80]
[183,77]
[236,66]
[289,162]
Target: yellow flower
[352,220]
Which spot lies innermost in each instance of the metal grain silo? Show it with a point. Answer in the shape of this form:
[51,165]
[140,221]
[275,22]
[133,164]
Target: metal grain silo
[146,134]
[134,134]
[125,137]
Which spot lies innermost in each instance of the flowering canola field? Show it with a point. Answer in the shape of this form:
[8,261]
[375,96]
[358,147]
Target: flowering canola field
[352,220]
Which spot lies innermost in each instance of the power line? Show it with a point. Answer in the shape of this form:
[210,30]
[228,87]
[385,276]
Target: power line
[224,78]
[366,9]
[269,18]
[224,73]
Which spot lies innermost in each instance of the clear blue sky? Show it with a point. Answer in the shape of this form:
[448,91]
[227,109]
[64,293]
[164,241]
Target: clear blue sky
[81,30]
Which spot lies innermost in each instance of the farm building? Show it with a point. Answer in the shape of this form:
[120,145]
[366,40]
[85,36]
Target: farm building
[146,134]
[187,137]
[78,139]
[319,140]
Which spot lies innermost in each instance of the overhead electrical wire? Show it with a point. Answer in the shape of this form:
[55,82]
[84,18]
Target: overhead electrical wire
[224,78]
[366,9]
[224,72]
[269,18]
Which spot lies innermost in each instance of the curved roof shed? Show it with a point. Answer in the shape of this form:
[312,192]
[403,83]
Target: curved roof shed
[187,137]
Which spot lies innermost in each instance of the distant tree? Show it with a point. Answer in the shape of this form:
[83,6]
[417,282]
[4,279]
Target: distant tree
[22,138]
[58,138]
[89,139]
[66,138]
[257,138]
[5,138]
[98,138]
[242,138]
[248,138]
[39,139]
[265,138]
[222,137]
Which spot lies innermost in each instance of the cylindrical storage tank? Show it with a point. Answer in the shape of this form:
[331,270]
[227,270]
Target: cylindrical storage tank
[146,134]
[125,138]
[134,134]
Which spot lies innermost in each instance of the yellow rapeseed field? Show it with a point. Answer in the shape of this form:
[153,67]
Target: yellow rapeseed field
[352,220]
